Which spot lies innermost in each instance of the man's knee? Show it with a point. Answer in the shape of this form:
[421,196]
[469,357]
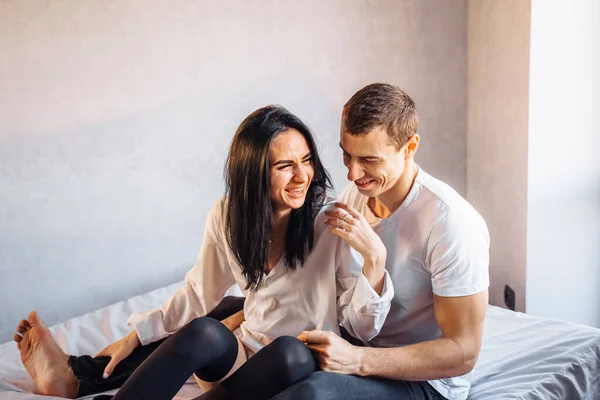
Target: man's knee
[317,385]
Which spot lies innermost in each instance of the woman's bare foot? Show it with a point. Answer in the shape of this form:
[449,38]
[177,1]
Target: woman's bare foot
[44,360]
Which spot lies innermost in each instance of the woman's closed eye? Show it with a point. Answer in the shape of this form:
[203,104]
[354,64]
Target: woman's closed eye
[284,167]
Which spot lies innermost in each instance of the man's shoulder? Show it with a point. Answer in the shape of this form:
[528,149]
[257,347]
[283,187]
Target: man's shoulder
[448,203]
[455,220]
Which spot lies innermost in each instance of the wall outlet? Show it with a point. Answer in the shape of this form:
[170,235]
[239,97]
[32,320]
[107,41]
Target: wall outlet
[509,297]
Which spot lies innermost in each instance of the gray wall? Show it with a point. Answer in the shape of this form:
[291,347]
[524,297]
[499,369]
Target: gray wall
[116,116]
[498,95]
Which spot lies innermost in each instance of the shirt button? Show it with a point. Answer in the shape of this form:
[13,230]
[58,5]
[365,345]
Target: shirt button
[272,303]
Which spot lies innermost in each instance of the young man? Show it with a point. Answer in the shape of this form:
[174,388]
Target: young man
[437,256]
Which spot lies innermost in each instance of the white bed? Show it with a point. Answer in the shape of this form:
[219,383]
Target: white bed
[522,357]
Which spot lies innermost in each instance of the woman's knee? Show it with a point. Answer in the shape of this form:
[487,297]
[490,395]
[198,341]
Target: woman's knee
[200,334]
[293,357]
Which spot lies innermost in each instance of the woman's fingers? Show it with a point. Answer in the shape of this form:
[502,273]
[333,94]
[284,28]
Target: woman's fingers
[349,209]
[340,224]
[103,352]
[341,215]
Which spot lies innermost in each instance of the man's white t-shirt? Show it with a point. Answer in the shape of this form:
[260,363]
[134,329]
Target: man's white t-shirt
[436,243]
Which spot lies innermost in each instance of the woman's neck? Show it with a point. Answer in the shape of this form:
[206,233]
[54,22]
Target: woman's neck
[277,242]
[280,223]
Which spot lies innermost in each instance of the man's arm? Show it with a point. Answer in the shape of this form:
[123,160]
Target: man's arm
[453,354]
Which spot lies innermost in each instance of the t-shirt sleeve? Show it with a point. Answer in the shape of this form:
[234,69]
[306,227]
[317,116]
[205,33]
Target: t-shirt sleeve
[458,255]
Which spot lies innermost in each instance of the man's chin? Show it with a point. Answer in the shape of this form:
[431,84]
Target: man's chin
[368,192]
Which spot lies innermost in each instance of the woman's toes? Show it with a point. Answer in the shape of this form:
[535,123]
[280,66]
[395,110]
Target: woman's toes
[17,338]
[25,325]
[34,319]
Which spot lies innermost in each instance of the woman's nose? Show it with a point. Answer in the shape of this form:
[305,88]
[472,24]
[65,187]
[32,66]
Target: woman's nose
[301,174]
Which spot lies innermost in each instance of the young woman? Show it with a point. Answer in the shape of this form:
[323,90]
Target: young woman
[271,235]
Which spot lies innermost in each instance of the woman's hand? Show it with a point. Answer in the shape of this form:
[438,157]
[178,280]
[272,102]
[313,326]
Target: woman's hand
[353,227]
[118,351]
[234,321]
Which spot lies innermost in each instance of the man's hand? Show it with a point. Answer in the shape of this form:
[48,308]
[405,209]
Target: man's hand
[334,353]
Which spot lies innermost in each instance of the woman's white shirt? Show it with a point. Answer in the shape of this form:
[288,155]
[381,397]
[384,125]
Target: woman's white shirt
[328,289]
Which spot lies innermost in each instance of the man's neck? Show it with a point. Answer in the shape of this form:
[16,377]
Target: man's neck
[389,201]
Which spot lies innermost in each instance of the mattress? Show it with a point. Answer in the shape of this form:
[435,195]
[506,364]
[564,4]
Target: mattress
[522,357]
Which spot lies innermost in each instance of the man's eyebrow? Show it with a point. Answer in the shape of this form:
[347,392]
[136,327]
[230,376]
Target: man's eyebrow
[363,157]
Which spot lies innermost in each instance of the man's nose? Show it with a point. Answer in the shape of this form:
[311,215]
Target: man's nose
[354,171]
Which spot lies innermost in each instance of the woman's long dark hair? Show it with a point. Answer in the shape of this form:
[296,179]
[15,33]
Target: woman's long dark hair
[248,210]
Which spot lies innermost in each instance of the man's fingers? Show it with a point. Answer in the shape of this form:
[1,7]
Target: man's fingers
[302,336]
[317,337]
[318,349]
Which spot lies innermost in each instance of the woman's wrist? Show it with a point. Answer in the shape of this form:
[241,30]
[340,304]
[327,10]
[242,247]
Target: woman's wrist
[375,259]
[374,270]
[134,339]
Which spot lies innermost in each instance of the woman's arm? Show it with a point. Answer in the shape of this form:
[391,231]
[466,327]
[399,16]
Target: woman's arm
[205,285]
[364,288]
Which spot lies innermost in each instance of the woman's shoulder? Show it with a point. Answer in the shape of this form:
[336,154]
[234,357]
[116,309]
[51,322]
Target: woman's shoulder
[215,216]
[321,217]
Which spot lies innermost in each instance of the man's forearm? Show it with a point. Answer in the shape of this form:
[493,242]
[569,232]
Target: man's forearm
[434,359]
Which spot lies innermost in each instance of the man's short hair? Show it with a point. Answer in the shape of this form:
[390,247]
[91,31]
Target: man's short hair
[380,105]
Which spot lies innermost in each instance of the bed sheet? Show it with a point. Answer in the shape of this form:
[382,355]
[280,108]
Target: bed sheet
[87,334]
[522,357]
[533,358]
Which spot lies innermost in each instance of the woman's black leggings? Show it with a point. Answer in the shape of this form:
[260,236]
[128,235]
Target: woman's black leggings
[205,347]
[88,370]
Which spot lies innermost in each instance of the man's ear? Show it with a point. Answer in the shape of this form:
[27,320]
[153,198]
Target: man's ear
[411,146]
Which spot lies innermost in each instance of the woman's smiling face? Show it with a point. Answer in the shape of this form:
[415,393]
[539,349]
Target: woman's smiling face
[291,170]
